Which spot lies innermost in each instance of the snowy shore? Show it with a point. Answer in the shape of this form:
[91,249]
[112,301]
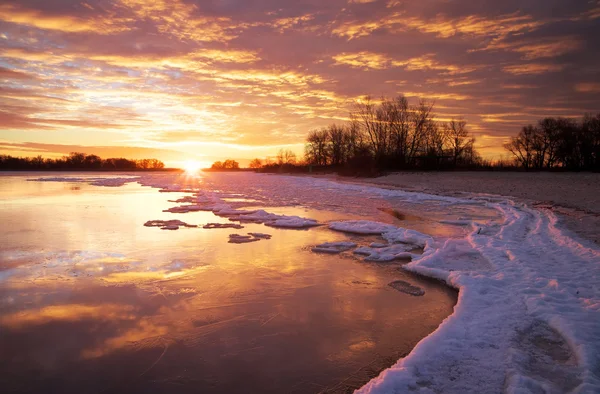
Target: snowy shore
[575,197]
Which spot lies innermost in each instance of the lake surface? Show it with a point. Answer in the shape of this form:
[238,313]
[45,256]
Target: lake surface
[93,301]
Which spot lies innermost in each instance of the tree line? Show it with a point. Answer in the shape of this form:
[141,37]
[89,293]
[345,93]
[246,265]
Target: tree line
[392,134]
[558,143]
[78,161]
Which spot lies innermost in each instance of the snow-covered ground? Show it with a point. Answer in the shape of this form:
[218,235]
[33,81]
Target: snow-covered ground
[528,316]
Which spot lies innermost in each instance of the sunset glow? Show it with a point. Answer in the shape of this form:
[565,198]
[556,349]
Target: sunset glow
[207,80]
[192,166]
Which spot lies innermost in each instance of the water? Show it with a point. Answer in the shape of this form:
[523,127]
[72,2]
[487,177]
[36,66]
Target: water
[93,301]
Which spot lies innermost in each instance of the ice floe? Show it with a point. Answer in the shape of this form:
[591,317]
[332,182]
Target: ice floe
[168,224]
[407,288]
[386,253]
[333,247]
[241,239]
[260,235]
[364,227]
[94,181]
[211,226]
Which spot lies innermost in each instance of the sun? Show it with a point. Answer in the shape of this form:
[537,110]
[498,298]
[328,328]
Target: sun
[192,166]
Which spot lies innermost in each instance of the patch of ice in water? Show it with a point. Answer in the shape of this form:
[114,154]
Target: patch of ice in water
[241,239]
[403,235]
[185,209]
[333,247]
[94,181]
[387,253]
[211,226]
[168,224]
[407,288]
[260,235]
[364,227]
[273,220]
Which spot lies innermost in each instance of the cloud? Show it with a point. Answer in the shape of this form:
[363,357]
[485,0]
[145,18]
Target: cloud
[240,78]
[588,87]
[532,68]
[65,23]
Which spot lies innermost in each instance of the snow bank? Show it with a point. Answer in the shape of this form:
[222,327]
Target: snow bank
[513,277]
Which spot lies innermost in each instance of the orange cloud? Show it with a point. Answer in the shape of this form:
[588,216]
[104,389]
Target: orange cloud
[532,68]
[65,23]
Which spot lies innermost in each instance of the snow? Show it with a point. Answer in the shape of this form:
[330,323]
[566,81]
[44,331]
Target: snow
[525,273]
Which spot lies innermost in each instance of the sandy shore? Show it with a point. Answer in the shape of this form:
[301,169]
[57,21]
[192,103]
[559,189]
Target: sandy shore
[574,196]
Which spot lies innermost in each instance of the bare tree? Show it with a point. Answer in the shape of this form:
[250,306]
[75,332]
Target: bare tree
[458,138]
[255,164]
[315,150]
[522,146]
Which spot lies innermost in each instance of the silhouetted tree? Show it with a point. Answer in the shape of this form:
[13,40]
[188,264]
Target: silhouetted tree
[255,164]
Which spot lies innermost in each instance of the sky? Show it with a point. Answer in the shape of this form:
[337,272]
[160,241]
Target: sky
[212,79]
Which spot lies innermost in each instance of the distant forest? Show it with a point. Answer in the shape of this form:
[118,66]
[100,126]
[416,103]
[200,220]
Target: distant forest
[558,143]
[79,162]
[391,134]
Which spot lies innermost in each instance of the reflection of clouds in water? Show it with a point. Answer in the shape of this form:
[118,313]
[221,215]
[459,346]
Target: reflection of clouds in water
[143,331]
[67,313]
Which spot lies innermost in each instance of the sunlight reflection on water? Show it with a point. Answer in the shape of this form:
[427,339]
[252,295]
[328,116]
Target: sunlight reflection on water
[90,299]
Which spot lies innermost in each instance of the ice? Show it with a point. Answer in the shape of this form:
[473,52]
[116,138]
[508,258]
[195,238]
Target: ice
[333,247]
[407,288]
[403,235]
[260,235]
[222,225]
[386,253]
[94,181]
[168,224]
[364,227]
[291,222]
[185,209]
[273,220]
[241,239]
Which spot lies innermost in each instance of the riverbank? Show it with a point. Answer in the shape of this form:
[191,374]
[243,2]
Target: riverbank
[575,197]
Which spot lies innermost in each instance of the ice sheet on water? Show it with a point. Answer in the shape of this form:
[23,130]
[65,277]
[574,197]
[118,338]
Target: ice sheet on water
[251,237]
[210,226]
[364,227]
[168,224]
[274,220]
[333,247]
[386,253]
[407,288]
[94,181]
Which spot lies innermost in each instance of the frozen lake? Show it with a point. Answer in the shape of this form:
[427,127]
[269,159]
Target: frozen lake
[242,282]
[91,300]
